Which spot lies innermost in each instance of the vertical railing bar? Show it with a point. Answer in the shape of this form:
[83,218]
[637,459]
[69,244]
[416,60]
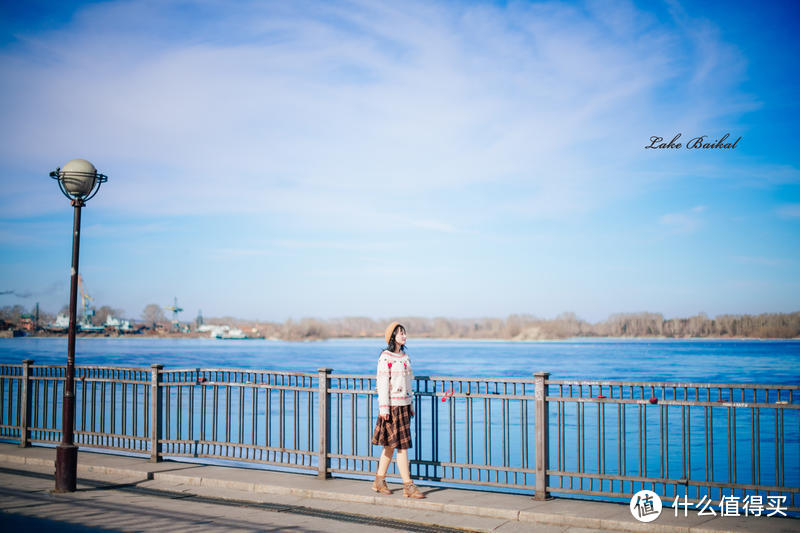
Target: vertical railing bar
[36,387]
[113,406]
[54,403]
[124,407]
[310,426]
[324,421]
[683,436]
[296,418]
[522,430]
[178,407]
[203,399]
[228,409]
[156,394]
[353,420]
[783,446]
[93,396]
[369,400]
[3,401]
[664,437]
[541,434]
[758,444]
[623,437]
[215,410]
[578,442]
[17,404]
[166,401]
[136,388]
[505,428]
[281,416]
[146,407]
[82,382]
[730,441]
[639,416]
[643,422]
[192,390]
[777,446]
[240,414]
[603,436]
[706,423]
[338,425]
[560,436]
[267,415]
[254,412]
[28,408]
[599,422]
[450,428]
[468,427]
[10,407]
[486,452]
[753,443]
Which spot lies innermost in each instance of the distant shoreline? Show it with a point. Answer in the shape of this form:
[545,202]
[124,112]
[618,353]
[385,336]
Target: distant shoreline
[378,338]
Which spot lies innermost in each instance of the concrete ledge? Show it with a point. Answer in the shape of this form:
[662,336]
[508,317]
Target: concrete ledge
[488,512]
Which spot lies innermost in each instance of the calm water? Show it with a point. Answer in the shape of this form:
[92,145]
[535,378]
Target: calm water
[713,361]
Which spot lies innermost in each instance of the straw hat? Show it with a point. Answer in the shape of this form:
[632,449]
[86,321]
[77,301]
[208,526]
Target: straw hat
[390,330]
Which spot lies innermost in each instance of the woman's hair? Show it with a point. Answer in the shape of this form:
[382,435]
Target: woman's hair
[392,346]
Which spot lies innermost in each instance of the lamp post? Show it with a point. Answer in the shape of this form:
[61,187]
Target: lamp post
[79,181]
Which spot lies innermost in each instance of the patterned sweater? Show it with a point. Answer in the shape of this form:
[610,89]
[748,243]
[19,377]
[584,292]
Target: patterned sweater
[394,381]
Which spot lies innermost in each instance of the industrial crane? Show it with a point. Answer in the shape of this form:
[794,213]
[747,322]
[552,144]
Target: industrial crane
[175,310]
[86,302]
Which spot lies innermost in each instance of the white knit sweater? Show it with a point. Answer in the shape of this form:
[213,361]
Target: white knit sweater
[394,381]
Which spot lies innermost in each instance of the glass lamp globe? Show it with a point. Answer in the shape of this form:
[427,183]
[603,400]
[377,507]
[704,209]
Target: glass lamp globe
[78,177]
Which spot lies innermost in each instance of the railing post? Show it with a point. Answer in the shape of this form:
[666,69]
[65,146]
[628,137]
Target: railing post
[324,424]
[25,407]
[541,423]
[155,412]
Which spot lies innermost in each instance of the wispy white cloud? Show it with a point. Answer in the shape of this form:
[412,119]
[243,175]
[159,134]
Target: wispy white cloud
[789,211]
[684,221]
[760,261]
[323,114]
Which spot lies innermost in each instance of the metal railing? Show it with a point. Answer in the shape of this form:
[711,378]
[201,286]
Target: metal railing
[534,435]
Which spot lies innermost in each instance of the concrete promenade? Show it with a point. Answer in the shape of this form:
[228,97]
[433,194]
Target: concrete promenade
[118,493]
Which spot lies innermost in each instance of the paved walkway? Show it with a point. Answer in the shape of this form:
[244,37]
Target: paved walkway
[118,493]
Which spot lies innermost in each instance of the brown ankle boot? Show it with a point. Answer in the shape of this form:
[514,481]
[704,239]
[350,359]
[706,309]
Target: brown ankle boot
[411,491]
[379,485]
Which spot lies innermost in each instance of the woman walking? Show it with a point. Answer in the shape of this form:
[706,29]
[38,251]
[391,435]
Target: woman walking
[393,428]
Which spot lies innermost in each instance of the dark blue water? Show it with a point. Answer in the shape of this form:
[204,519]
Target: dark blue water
[706,361]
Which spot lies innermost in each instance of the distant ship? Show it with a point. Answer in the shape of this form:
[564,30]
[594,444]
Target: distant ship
[61,325]
[225,332]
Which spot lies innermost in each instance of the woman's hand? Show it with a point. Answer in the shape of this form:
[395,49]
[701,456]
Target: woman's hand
[385,417]
[412,411]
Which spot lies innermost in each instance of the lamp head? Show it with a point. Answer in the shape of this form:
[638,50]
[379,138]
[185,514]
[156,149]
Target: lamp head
[78,180]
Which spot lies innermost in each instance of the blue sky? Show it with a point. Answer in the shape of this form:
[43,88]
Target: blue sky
[323,159]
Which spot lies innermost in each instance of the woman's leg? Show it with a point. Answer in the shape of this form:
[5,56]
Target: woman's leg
[402,465]
[386,458]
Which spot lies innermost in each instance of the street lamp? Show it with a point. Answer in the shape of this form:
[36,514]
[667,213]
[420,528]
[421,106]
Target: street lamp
[79,181]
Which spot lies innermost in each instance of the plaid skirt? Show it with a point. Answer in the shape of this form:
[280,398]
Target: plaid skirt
[395,432]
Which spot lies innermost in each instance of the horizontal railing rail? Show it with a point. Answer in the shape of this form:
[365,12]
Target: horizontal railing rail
[536,435]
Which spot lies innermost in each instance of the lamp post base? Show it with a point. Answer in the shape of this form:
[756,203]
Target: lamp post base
[66,467]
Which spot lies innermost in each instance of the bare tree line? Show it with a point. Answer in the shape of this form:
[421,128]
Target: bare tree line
[513,327]
[528,327]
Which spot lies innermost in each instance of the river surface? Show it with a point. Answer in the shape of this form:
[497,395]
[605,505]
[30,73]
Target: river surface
[705,361]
